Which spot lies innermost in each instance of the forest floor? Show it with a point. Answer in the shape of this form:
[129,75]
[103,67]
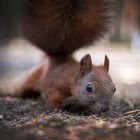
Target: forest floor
[29,119]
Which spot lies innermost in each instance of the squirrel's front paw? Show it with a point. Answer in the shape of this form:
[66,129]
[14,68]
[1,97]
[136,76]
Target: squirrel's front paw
[73,105]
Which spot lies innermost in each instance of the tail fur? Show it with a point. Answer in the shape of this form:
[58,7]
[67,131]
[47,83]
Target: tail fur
[59,27]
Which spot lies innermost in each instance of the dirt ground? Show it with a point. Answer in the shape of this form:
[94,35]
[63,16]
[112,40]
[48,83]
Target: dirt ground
[29,119]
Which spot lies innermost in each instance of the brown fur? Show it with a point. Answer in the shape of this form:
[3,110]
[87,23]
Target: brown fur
[65,78]
[59,27]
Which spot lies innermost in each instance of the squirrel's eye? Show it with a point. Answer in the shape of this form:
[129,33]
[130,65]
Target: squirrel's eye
[89,88]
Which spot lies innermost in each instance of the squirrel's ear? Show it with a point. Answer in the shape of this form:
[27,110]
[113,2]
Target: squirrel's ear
[106,63]
[85,65]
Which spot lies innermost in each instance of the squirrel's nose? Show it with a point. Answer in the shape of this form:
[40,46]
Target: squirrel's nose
[98,108]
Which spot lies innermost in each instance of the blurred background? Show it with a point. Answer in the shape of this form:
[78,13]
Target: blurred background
[122,46]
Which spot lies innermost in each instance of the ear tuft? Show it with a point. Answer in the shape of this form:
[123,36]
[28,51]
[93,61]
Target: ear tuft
[85,65]
[106,63]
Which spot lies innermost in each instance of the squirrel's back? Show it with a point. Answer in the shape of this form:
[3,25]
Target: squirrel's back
[59,27]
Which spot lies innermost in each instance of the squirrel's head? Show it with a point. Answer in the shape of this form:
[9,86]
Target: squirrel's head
[94,85]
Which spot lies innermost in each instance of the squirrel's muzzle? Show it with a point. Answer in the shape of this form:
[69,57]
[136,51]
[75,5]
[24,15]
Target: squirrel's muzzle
[98,108]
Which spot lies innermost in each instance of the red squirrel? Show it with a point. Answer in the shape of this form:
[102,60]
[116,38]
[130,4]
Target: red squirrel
[59,28]
[65,77]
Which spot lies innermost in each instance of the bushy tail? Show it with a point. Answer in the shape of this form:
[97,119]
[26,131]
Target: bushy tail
[59,27]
